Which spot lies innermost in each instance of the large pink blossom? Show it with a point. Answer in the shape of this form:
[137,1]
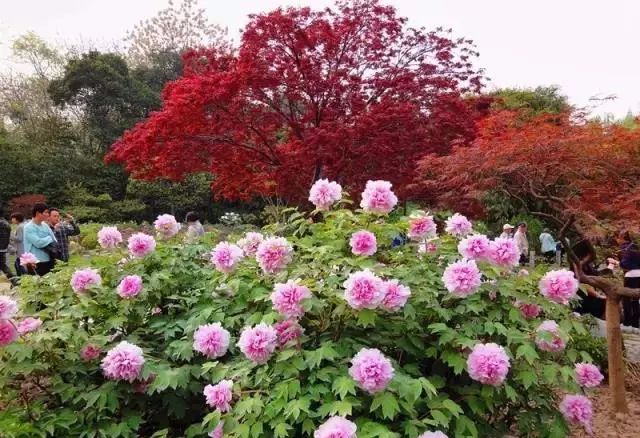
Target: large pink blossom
[90,352]
[577,409]
[28,259]
[436,434]
[488,364]
[378,197]
[130,286]
[588,375]
[287,298]
[219,396]
[336,427]
[218,431]
[550,329]
[123,362]
[29,325]
[167,225]
[258,343]
[274,254]
[109,237]
[363,243]
[395,295]
[288,331]
[212,340]
[475,247]
[83,279]
[226,256]
[8,332]
[141,244]
[8,307]
[421,227]
[528,310]
[504,252]
[371,370]
[458,225]
[462,278]
[325,193]
[559,286]
[363,290]
[250,242]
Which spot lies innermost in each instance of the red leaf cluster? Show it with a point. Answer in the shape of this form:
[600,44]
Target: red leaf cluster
[23,204]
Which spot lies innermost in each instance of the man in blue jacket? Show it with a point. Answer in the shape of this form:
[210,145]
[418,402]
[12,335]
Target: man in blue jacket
[37,237]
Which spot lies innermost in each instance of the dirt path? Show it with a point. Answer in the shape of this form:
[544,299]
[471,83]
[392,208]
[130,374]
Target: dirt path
[607,426]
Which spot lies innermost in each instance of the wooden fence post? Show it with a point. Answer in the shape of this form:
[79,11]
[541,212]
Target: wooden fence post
[615,357]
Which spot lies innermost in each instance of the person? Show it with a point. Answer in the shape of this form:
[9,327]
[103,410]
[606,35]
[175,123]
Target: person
[62,231]
[548,245]
[630,264]
[195,230]
[507,231]
[38,238]
[17,239]
[5,235]
[522,242]
[592,301]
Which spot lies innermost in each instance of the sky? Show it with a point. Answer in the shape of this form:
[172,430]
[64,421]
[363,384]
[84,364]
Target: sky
[587,47]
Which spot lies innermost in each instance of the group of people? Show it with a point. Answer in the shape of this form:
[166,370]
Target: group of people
[45,235]
[548,245]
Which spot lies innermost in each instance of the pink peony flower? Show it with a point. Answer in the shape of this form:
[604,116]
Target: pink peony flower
[156,310]
[8,332]
[504,252]
[109,237]
[528,310]
[288,331]
[421,227]
[371,370]
[28,259]
[130,286]
[226,256]
[287,298]
[325,193]
[219,396]
[258,343]
[167,225]
[83,279]
[395,295]
[336,427]
[488,364]
[274,254]
[458,225]
[427,247]
[588,375]
[90,352]
[250,242]
[123,362]
[378,197]
[8,307]
[577,409]
[363,290]
[212,340]
[29,325]
[523,273]
[363,243]
[436,434]
[141,244]
[559,286]
[218,431]
[141,386]
[550,328]
[475,247]
[462,278]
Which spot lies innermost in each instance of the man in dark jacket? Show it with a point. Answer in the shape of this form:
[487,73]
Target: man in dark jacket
[5,234]
[63,230]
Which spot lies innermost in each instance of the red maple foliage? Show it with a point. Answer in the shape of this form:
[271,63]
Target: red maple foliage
[555,165]
[23,204]
[349,93]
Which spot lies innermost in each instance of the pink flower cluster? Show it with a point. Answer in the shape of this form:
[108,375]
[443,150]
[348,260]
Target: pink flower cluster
[336,427]
[83,279]
[550,329]
[29,325]
[212,340]
[363,243]
[421,227]
[218,431]
[458,225]
[504,252]
[123,362]
[287,331]
[28,259]
[274,254]
[219,396]
[258,343]
[287,298]
[141,245]
[559,286]
[427,247]
[90,352]
[588,375]
[475,247]
[528,310]
[462,278]
[167,225]
[109,237]
[577,409]
[130,286]
[250,242]
[8,307]
[8,332]
[395,295]
[488,364]
[371,370]
[436,434]
[226,257]
[378,197]
[363,290]
[325,193]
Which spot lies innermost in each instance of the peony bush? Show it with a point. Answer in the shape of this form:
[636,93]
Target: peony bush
[302,330]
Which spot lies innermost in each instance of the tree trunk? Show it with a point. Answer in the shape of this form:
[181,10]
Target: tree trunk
[615,358]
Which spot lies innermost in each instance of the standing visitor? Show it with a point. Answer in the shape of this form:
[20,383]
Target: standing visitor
[5,235]
[548,244]
[630,264]
[522,241]
[39,239]
[507,231]
[17,239]
[195,230]
[63,230]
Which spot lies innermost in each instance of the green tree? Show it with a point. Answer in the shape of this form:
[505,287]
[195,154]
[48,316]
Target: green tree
[532,100]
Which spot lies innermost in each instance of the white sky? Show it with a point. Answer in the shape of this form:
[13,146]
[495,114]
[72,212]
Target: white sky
[587,47]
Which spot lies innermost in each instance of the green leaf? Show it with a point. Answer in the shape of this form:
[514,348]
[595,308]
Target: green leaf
[367,318]
[344,385]
[453,407]
[528,352]
[387,401]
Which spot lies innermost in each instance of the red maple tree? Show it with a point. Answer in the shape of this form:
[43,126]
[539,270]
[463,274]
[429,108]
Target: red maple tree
[349,93]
